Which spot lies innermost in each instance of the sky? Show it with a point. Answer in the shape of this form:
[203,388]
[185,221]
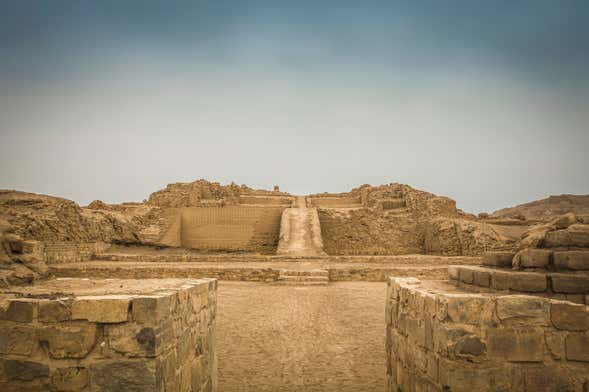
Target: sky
[486,102]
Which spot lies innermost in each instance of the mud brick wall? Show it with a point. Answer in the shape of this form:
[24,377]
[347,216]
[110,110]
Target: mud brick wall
[71,252]
[445,340]
[368,232]
[162,341]
[232,228]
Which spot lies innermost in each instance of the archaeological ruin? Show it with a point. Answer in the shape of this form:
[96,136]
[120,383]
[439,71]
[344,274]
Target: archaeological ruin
[210,287]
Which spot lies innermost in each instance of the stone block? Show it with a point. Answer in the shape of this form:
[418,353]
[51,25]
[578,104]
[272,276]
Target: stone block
[481,278]
[498,259]
[523,309]
[577,347]
[557,239]
[453,272]
[54,311]
[456,376]
[516,345]
[555,344]
[470,308]
[69,341]
[569,316]
[535,258]
[21,310]
[17,339]
[133,340]
[124,375]
[102,309]
[150,308]
[579,235]
[572,260]
[546,378]
[519,281]
[70,379]
[466,275]
[23,370]
[570,283]
[469,346]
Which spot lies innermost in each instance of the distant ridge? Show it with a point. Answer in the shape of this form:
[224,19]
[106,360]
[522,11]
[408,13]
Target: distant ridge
[548,207]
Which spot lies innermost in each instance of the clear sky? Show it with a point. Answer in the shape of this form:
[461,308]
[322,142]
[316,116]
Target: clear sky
[483,101]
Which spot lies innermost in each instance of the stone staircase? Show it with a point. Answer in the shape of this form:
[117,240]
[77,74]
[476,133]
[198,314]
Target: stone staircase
[315,277]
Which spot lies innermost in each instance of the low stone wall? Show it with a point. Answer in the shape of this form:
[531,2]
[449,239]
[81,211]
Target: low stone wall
[163,340]
[442,339]
[72,252]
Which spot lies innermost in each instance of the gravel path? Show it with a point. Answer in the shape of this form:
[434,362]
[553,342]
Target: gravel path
[275,338]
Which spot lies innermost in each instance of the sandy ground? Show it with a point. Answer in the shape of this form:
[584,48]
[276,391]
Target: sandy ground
[326,338]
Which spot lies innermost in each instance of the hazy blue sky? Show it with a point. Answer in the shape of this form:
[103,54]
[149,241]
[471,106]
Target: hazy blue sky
[483,101]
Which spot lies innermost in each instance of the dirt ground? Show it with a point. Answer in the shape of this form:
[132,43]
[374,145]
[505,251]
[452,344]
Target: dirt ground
[281,338]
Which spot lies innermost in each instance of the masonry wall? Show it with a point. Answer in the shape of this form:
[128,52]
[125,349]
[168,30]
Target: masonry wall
[164,341]
[231,228]
[71,252]
[440,339]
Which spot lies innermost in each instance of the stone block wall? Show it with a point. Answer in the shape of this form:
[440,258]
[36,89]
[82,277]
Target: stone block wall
[160,341]
[71,252]
[440,338]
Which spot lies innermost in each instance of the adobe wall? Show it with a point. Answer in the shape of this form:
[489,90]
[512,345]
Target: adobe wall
[440,338]
[72,252]
[154,335]
[232,228]
[368,232]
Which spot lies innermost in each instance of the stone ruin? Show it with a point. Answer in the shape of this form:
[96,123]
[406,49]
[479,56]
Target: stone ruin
[113,297]
[518,322]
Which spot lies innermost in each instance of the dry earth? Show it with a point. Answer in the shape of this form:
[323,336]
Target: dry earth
[328,338]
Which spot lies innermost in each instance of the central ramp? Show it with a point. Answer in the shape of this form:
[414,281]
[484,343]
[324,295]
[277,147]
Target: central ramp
[300,231]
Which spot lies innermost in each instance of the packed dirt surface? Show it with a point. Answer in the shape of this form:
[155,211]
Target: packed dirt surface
[548,208]
[320,338]
[300,232]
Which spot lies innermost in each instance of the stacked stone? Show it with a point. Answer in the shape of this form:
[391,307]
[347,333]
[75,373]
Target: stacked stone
[440,339]
[559,268]
[162,341]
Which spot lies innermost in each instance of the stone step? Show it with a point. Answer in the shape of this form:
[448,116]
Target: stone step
[303,278]
[577,260]
[302,282]
[521,281]
[313,272]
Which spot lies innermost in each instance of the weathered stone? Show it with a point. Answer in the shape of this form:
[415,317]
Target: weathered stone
[546,378]
[524,309]
[569,316]
[564,221]
[70,379]
[481,278]
[124,375]
[557,239]
[579,235]
[453,272]
[23,370]
[21,310]
[102,309]
[54,311]
[465,275]
[535,258]
[133,340]
[17,339]
[572,260]
[69,341]
[570,283]
[576,347]
[470,308]
[469,346]
[456,377]
[498,259]
[150,309]
[518,281]
[555,344]
[516,345]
